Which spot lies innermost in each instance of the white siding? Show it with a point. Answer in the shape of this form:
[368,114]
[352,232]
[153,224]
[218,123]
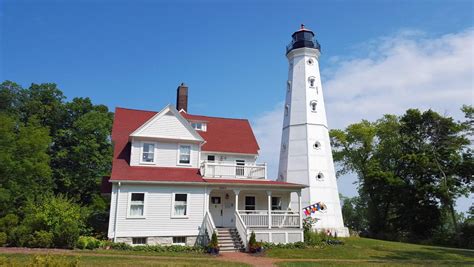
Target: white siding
[158,212]
[166,154]
[168,126]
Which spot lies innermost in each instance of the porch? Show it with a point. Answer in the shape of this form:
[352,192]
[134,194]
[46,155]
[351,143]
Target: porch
[265,211]
[238,169]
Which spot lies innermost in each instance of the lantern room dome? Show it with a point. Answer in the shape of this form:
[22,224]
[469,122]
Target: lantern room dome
[303,38]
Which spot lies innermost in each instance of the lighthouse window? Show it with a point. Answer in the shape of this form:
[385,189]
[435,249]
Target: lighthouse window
[311,81]
[320,176]
[288,86]
[283,147]
[313,104]
[310,61]
[286,110]
[317,145]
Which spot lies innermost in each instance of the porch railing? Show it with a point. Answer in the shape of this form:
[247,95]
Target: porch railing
[219,169]
[278,218]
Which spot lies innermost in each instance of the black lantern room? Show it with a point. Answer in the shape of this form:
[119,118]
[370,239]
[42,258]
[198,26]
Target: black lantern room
[303,38]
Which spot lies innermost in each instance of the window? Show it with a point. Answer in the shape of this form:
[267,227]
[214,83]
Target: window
[180,208]
[199,126]
[310,61]
[179,240]
[211,158]
[313,104]
[283,147]
[311,81]
[288,86]
[184,154]
[317,145]
[249,203]
[320,176]
[148,153]
[216,200]
[287,108]
[139,240]
[240,169]
[137,205]
[276,203]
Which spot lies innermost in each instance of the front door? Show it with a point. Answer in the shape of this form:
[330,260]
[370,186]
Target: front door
[228,211]
[216,210]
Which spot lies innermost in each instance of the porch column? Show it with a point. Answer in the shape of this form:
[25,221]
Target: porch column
[300,208]
[269,196]
[236,192]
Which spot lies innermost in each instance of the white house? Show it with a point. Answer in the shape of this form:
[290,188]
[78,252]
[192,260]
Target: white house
[176,178]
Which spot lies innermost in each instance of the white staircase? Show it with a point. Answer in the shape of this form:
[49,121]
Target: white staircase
[229,240]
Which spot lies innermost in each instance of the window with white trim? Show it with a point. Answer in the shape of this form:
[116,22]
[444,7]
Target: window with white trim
[184,154]
[179,240]
[199,126]
[139,240]
[276,203]
[137,205]
[148,153]
[180,208]
[249,203]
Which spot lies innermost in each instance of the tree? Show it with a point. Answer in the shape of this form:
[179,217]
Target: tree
[410,169]
[354,212]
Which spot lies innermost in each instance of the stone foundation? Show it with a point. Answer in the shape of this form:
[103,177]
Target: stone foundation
[165,240]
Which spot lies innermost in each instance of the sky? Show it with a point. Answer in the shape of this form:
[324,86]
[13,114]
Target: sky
[378,57]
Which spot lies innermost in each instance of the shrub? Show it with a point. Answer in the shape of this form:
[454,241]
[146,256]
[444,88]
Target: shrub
[296,245]
[254,246]
[121,246]
[54,214]
[41,239]
[3,239]
[213,246]
[157,248]
[54,261]
[88,242]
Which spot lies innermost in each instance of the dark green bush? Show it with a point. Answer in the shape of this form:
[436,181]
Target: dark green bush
[3,239]
[296,245]
[41,239]
[156,248]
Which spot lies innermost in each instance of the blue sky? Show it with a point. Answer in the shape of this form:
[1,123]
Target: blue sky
[231,54]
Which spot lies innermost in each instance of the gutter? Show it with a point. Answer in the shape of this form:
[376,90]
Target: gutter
[116,211]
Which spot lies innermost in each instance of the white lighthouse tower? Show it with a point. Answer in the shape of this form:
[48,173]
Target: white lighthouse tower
[305,153]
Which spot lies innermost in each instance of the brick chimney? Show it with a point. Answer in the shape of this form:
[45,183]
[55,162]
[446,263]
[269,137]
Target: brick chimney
[182,98]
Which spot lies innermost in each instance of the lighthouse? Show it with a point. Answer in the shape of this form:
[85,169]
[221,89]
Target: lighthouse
[305,152]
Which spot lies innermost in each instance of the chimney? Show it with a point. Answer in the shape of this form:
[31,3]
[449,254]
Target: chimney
[182,98]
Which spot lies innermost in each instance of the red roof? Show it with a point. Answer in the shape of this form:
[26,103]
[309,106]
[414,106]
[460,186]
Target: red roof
[226,135]
[222,135]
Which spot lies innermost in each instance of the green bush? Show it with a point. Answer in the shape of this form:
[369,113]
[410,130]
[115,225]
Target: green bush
[88,242]
[156,248]
[58,215]
[296,245]
[3,239]
[41,239]
[54,261]
[313,238]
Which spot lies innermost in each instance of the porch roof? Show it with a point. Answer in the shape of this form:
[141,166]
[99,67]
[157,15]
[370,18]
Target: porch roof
[126,173]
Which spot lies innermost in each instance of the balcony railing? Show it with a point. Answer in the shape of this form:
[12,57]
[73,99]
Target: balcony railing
[221,169]
[279,218]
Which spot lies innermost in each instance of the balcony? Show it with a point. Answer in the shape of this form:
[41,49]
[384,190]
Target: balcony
[222,169]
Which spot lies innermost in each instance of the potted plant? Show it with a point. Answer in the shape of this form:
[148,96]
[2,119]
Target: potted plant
[254,246]
[213,246]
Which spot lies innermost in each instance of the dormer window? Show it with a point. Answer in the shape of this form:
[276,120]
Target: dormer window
[199,126]
[148,153]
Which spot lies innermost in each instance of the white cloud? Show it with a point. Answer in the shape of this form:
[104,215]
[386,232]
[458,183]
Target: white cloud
[389,75]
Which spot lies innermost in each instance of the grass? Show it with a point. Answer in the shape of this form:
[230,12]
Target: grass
[122,258]
[364,251]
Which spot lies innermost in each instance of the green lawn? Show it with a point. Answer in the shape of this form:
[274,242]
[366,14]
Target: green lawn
[363,251]
[97,258]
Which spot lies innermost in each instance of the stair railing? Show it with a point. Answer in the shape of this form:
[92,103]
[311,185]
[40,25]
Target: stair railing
[241,229]
[209,225]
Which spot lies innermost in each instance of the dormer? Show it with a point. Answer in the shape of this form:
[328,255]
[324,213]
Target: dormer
[165,140]
[199,125]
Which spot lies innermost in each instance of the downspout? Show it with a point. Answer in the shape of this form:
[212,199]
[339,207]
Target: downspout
[116,212]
